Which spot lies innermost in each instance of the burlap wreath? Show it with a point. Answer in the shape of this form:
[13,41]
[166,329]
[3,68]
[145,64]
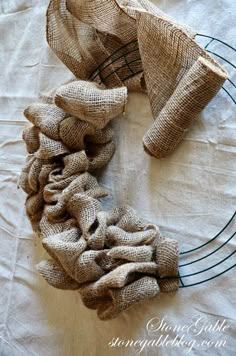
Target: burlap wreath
[115,259]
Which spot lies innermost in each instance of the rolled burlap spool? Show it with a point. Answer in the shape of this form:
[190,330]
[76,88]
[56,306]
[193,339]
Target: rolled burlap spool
[195,90]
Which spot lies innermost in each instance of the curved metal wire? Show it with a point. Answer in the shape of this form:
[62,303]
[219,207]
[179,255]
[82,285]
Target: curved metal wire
[215,237]
[208,279]
[208,268]
[214,39]
[209,254]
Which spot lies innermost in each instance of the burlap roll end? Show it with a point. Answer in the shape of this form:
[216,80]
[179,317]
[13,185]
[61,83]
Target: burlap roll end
[194,91]
[159,138]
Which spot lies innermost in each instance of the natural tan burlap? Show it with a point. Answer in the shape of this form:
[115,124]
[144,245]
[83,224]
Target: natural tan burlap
[87,100]
[133,43]
[46,117]
[31,138]
[115,259]
[55,275]
[192,94]
[186,83]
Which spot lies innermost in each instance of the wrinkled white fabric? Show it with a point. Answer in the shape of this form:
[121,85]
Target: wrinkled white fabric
[190,195]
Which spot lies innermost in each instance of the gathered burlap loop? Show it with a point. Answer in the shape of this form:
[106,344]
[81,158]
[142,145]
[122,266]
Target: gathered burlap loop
[55,275]
[89,102]
[79,264]
[79,194]
[96,240]
[108,263]
[101,136]
[56,212]
[53,190]
[46,117]
[73,194]
[132,253]
[119,277]
[119,289]
[166,257]
[50,148]
[74,163]
[84,209]
[35,201]
[102,155]
[126,218]
[133,43]
[64,194]
[83,161]
[23,180]
[37,170]
[118,237]
[33,174]
[130,221]
[70,235]
[123,298]
[73,132]
[31,137]
[30,175]
[108,232]
[49,228]
[117,300]
[84,183]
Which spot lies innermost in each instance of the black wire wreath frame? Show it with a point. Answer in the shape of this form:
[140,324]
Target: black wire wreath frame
[97,74]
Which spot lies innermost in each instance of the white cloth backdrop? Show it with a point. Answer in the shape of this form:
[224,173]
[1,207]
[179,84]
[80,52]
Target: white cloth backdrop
[190,195]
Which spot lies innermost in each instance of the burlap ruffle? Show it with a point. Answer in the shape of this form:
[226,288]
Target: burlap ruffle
[115,259]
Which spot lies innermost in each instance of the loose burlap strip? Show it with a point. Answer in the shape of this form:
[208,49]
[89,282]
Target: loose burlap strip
[115,259]
[133,43]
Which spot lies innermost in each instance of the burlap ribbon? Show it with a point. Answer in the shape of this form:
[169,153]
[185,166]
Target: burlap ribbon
[115,259]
